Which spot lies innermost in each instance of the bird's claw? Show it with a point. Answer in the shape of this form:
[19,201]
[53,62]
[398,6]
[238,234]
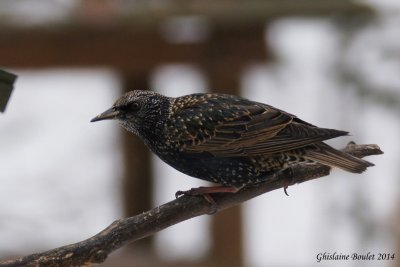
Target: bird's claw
[285,190]
[179,193]
[213,205]
[193,192]
[288,180]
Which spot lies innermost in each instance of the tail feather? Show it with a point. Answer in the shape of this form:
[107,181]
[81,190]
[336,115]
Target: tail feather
[327,155]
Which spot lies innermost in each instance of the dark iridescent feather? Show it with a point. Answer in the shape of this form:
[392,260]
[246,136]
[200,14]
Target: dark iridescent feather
[249,127]
[226,139]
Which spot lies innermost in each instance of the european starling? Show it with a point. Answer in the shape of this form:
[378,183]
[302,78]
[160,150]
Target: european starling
[226,139]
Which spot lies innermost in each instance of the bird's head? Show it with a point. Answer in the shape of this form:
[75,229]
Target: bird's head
[137,111]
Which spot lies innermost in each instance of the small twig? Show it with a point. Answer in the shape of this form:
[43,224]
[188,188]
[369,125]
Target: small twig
[124,231]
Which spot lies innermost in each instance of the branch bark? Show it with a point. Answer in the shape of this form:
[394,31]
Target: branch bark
[121,232]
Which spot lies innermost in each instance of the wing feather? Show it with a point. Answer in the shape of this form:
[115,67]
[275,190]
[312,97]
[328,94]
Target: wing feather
[246,128]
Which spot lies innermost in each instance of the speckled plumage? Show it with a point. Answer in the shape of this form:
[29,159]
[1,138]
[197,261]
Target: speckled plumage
[226,139]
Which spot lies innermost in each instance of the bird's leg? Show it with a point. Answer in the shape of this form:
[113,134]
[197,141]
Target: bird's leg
[206,191]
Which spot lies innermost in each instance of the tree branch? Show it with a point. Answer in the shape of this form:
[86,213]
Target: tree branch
[124,231]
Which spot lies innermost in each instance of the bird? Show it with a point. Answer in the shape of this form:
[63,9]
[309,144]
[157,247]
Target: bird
[226,139]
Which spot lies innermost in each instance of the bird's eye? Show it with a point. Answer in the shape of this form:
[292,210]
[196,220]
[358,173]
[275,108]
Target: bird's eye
[134,106]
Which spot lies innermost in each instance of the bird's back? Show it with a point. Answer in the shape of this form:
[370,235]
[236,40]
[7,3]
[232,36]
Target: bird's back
[211,128]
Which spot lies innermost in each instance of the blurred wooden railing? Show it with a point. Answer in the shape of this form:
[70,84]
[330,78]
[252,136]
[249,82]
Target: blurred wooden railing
[131,44]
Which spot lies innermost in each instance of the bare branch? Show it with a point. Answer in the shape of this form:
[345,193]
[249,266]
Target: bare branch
[124,231]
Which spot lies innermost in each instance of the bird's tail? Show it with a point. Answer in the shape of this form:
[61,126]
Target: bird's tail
[327,155]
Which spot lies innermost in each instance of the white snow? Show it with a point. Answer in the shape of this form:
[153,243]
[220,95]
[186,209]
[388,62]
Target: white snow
[57,169]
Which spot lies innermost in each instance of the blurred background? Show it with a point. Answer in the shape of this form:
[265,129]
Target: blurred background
[335,64]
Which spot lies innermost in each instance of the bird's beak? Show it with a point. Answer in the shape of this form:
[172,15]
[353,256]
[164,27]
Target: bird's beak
[109,114]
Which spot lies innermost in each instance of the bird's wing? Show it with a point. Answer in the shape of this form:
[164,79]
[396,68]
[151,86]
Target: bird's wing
[246,128]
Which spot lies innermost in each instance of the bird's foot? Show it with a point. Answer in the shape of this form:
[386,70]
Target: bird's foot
[213,205]
[205,192]
[288,180]
[285,187]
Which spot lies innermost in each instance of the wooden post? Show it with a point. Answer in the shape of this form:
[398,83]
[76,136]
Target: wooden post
[137,177]
[227,57]
[226,227]
[227,246]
